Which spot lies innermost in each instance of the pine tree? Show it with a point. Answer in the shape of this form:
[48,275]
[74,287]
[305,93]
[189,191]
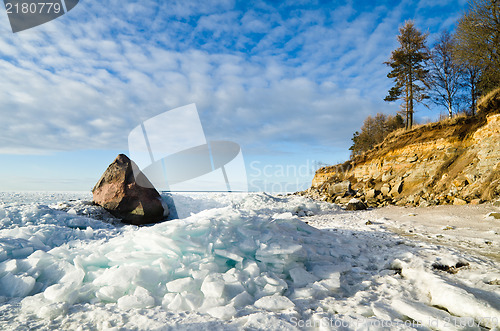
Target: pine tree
[408,70]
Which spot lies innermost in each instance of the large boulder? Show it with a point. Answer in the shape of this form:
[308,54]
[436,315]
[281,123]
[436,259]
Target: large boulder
[340,189]
[119,193]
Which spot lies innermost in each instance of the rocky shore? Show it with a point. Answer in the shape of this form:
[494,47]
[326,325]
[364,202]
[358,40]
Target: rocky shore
[454,162]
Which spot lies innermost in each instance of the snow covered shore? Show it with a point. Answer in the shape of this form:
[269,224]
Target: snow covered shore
[250,261]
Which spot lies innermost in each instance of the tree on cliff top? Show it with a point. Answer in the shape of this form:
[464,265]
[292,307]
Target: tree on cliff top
[478,41]
[408,70]
[446,75]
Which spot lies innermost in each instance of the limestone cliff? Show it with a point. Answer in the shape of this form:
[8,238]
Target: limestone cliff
[454,161]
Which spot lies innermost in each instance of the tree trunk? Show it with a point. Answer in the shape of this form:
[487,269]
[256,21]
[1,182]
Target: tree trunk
[473,96]
[410,109]
[407,96]
[449,99]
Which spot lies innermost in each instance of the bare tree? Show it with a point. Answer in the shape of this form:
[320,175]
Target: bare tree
[471,76]
[478,41]
[445,75]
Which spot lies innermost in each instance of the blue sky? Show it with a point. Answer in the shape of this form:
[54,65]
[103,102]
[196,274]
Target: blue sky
[290,81]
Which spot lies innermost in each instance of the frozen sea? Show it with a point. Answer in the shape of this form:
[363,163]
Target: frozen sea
[233,261]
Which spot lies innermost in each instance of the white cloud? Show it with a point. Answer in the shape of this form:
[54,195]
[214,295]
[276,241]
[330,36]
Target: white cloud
[258,76]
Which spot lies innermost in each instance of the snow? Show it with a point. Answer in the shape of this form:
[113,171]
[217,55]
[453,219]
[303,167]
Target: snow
[255,261]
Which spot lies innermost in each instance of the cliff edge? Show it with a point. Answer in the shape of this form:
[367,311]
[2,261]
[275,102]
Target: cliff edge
[454,161]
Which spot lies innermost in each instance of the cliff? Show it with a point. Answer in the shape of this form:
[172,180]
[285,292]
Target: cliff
[453,161]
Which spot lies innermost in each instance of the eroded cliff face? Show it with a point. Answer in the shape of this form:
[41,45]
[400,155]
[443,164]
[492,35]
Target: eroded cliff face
[441,163]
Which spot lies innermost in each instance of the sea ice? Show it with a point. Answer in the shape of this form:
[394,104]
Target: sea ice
[242,260]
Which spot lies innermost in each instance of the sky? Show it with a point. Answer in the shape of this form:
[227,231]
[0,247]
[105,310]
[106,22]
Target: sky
[289,81]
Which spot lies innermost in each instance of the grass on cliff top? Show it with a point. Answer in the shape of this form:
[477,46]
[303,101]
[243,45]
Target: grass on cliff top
[456,119]
[490,102]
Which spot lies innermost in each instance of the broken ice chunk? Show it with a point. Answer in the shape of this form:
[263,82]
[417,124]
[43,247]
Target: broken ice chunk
[242,299]
[16,286]
[181,284]
[274,303]
[177,304]
[109,293]
[252,268]
[22,252]
[268,284]
[213,286]
[301,277]
[140,299]
[167,299]
[331,283]
[247,245]
[303,293]
[233,289]
[279,249]
[192,300]
[228,255]
[224,312]
[211,302]
[330,270]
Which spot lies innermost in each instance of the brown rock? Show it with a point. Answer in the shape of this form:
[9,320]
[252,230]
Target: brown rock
[370,183]
[372,202]
[119,193]
[459,202]
[460,182]
[355,204]
[341,189]
[412,158]
[387,176]
[494,215]
[343,201]
[370,194]
[396,189]
[386,188]
[475,202]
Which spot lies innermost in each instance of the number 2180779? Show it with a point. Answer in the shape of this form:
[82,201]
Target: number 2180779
[33,8]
